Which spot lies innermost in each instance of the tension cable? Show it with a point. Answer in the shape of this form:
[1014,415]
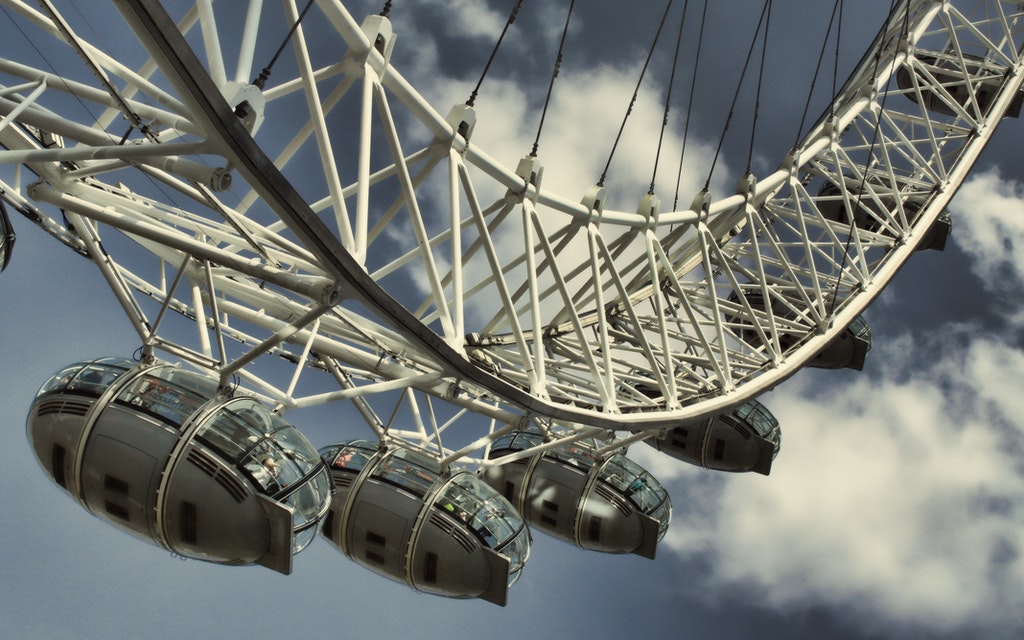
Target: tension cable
[736,95]
[261,81]
[504,30]
[554,74]
[837,8]
[689,103]
[668,96]
[871,153]
[636,91]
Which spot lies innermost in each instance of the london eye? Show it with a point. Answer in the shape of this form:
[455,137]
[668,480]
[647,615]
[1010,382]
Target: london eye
[288,222]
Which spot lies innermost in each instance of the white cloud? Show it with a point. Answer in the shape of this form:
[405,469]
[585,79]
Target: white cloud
[990,219]
[989,216]
[470,18]
[897,499]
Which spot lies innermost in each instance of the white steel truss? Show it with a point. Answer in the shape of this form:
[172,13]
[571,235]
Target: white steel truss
[333,237]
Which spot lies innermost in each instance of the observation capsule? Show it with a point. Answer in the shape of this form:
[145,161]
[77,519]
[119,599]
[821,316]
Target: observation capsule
[868,211]
[744,439]
[7,237]
[155,450]
[447,533]
[848,350]
[611,505]
[956,86]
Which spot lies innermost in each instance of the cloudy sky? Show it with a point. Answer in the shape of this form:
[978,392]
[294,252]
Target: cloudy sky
[895,509]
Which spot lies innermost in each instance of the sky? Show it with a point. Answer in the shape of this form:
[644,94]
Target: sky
[894,510]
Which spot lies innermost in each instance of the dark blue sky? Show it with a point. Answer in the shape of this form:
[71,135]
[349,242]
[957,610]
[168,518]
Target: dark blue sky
[895,508]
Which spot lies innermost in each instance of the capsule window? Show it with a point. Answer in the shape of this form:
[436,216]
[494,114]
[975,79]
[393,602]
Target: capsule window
[117,510]
[110,483]
[162,399]
[57,457]
[719,453]
[594,532]
[189,522]
[430,570]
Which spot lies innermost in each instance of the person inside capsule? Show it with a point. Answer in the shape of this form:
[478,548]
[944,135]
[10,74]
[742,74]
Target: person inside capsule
[160,452]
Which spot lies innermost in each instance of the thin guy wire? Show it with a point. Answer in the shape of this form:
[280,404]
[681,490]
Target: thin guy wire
[551,84]
[689,103]
[261,81]
[735,98]
[817,70]
[871,151]
[668,96]
[494,51]
[760,79]
[636,91]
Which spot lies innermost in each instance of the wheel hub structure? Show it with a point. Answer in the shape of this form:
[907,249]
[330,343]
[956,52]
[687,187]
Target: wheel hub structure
[326,235]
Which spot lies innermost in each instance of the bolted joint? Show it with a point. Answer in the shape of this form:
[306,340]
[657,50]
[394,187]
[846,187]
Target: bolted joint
[594,200]
[330,296]
[220,179]
[379,32]
[701,205]
[532,172]
[462,119]
[248,103]
[649,208]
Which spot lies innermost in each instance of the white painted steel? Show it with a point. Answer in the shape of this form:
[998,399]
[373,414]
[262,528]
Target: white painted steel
[367,252]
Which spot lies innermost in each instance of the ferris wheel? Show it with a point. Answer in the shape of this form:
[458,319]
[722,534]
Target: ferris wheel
[317,232]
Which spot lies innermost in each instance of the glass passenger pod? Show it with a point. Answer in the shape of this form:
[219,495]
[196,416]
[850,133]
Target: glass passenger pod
[745,439]
[611,505]
[395,513]
[847,351]
[156,451]
[868,212]
[945,68]
[7,237]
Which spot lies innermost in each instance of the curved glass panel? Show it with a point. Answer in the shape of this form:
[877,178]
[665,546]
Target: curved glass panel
[264,466]
[229,432]
[87,378]
[576,455]
[275,456]
[295,447]
[409,471]
[762,421]
[310,502]
[350,457]
[303,538]
[860,328]
[491,516]
[517,441]
[169,393]
[639,487]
